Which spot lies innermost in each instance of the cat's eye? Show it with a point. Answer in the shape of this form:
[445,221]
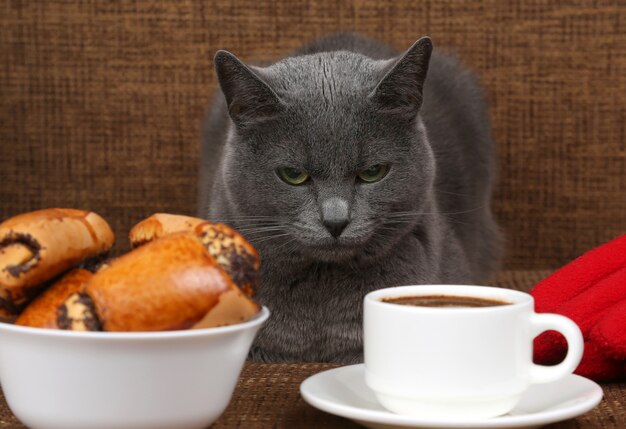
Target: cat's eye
[373,173]
[292,176]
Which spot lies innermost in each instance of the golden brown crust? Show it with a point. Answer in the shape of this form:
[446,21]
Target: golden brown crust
[37,246]
[43,311]
[232,307]
[231,250]
[161,224]
[166,284]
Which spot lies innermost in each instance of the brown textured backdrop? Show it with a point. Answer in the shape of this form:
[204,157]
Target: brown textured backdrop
[101,102]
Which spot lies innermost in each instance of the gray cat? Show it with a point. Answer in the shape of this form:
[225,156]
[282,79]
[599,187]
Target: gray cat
[349,171]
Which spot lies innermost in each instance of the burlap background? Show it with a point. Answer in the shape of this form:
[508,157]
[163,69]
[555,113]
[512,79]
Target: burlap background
[101,102]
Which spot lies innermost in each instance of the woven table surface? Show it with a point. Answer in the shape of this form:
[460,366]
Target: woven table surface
[267,395]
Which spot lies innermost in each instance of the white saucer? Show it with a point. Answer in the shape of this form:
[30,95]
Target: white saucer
[343,392]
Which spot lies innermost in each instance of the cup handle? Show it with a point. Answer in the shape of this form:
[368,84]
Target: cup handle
[541,322]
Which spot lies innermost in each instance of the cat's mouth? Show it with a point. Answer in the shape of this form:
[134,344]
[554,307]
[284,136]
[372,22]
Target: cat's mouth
[334,249]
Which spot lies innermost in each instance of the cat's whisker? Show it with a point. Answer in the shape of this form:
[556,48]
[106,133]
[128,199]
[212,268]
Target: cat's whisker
[465,211]
[247,217]
[398,221]
[256,225]
[304,227]
[409,214]
[270,233]
[247,228]
[408,221]
[381,231]
[401,216]
[284,244]
[395,221]
[271,237]
[387,229]
[404,214]
[439,191]
[240,225]
[457,221]
[261,228]
[259,238]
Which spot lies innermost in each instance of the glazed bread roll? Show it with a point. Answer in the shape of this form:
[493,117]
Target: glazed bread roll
[231,250]
[167,284]
[37,246]
[43,311]
[161,224]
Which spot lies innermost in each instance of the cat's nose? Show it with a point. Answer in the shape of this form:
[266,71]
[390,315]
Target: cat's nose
[335,215]
[336,228]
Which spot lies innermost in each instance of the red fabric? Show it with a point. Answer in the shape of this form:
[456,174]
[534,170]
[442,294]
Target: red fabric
[610,333]
[591,290]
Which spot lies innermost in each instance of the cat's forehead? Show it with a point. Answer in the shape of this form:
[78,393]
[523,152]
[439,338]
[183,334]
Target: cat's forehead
[327,93]
[325,75]
[329,126]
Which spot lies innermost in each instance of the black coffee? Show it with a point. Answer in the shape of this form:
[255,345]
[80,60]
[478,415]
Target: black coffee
[445,301]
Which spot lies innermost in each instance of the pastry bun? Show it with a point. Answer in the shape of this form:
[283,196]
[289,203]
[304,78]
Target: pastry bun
[231,250]
[167,284]
[38,246]
[43,311]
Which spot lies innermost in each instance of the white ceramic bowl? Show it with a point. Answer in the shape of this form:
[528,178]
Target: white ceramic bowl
[176,379]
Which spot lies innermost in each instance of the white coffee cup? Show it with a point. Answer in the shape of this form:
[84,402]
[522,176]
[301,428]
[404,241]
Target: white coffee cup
[458,362]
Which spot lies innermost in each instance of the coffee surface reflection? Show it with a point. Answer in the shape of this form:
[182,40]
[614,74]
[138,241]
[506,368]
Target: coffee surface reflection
[445,301]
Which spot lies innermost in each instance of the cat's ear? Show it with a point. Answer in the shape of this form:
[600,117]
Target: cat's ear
[249,99]
[400,89]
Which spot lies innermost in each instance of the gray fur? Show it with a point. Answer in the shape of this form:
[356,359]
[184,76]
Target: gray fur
[337,106]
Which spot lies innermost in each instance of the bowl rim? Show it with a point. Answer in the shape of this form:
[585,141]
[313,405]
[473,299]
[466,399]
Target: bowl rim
[258,319]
